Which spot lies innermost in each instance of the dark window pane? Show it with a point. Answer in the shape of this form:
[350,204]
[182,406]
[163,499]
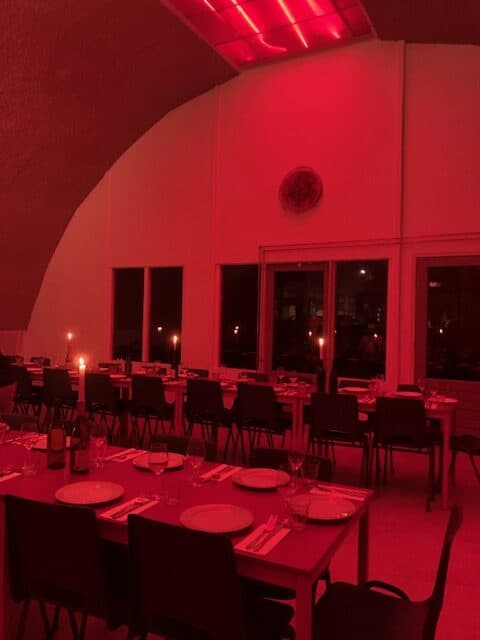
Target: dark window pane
[360,318]
[453,320]
[128,313]
[166,312]
[238,345]
[297,320]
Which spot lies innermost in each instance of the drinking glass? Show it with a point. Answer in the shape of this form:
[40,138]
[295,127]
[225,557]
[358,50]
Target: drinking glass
[297,509]
[30,437]
[310,469]
[158,462]
[195,457]
[99,437]
[285,489]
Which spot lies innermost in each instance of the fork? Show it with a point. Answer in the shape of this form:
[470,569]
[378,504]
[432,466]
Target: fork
[131,507]
[269,527]
[219,474]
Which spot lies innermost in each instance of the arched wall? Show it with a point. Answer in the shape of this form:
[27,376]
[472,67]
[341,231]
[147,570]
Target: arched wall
[393,132]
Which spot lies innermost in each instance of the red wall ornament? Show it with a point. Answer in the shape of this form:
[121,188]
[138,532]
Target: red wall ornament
[300,190]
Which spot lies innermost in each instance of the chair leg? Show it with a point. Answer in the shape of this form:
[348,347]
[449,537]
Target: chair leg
[453,466]
[23,619]
[475,468]
[50,628]
[78,634]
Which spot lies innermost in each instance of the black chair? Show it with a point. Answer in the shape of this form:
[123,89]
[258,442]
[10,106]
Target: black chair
[103,399]
[14,359]
[204,407]
[409,387]
[183,584]
[179,444]
[351,612]
[26,396]
[57,387]
[334,421]
[465,443]
[401,425]
[148,403]
[56,557]
[258,413]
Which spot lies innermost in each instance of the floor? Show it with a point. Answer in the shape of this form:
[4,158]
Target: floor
[405,545]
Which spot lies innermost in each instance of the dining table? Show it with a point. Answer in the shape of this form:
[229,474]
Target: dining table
[297,561]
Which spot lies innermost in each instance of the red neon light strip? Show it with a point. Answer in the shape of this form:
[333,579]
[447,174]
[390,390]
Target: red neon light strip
[210,6]
[317,10]
[253,26]
[291,19]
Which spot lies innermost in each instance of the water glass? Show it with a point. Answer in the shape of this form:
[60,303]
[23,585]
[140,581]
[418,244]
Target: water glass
[30,437]
[195,457]
[158,462]
[99,437]
[310,471]
[297,509]
[295,458]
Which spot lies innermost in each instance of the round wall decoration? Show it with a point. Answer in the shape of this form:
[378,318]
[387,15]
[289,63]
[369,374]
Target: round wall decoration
[300,190]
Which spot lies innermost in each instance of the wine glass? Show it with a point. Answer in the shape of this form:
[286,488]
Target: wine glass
[195,457]
[295,458]
[99,437]
[29,439]
[158,462]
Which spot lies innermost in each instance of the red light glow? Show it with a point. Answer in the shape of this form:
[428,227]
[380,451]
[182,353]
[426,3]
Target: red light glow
[247,31]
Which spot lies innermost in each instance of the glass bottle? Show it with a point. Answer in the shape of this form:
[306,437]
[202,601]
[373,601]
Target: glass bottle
[56,440]
[80,446]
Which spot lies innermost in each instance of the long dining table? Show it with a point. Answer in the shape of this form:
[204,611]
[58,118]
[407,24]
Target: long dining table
[296,562]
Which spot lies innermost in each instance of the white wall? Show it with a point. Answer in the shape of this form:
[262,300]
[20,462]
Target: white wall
[201,187]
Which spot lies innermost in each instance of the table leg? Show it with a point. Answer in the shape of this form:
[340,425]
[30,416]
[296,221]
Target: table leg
[363,547]
[304,610]
[446,432]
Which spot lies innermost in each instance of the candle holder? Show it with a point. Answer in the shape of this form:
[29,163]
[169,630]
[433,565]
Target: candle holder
[68,355]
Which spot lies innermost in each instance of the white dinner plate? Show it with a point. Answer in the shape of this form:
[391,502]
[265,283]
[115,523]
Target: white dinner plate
[217,518]
[328,508]
[175,461]
[260,478]
[353,389]
[90,492]
[408,394]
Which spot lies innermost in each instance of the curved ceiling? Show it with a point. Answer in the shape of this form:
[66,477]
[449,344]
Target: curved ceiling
[81,80]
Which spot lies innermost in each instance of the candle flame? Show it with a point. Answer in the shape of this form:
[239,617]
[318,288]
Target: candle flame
[175,339]
[69,335]
[81,362]
[321,341]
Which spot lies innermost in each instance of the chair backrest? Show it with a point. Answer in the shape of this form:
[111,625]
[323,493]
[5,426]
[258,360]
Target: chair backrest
[179,444]
[272,458]
[256,405]
[334,412]
[168,570]
[204,399]
[148,393]
[24,381]
[400,418]
[99,390]
[436,599]
[55,554]
[14,359]
[56,386]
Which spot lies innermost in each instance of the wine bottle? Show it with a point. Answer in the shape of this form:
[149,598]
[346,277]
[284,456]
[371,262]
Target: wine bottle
[80,446]
[56,440]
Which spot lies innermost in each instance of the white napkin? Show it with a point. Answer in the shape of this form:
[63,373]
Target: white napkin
[125,457]
[268,546]
[10,476]
[223,471]
[119,454]
[118,507]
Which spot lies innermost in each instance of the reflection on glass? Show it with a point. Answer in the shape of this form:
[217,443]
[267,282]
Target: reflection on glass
[298,320]
[128,313]
[238,342]
[360,318]
[166,313]
[453,320]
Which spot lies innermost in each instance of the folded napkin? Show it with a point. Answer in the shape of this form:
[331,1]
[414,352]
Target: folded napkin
[10,476]
[119,454]
[142,506]
[270,543]
[129,456]
[221,472]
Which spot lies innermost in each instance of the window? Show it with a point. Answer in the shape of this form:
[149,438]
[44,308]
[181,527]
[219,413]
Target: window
[128,313]
[453,320]
[360,318]
[298,311]
[166,312]
[238,341]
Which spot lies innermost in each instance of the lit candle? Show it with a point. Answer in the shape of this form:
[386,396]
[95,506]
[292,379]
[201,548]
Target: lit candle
[321,343]
[175,342]
[69,336]
[81,380]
